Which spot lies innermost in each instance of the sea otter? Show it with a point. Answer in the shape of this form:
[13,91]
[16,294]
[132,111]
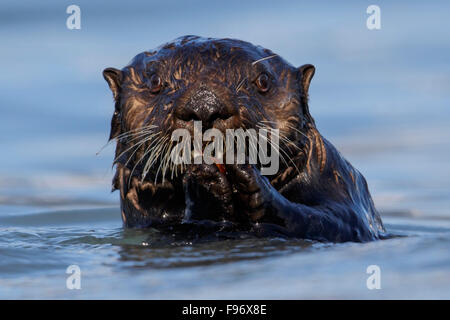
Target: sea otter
[227,84]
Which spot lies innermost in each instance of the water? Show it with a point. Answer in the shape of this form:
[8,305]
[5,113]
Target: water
[382,97]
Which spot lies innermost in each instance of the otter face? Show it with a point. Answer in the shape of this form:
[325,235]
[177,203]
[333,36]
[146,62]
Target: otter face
[225,83]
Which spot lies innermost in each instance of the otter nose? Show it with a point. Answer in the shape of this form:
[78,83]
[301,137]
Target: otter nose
[203,106]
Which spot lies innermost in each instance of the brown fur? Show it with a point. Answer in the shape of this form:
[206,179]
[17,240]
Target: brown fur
[317,194]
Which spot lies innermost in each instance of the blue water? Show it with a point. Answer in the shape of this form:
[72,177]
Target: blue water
[382,97]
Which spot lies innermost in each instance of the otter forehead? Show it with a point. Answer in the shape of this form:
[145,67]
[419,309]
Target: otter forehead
[205,54]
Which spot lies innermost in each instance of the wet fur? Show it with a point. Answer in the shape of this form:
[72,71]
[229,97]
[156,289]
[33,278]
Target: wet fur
[316,194]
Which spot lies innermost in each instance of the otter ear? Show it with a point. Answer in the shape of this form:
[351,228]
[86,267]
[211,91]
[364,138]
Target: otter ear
[306,74]
[114,78]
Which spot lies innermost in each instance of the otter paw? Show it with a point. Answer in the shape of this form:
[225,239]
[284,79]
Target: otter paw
[250,189]
[208,194]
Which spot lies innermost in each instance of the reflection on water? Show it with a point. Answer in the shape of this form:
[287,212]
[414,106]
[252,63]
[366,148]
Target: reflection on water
[380,96]
[188,254]
[119,263]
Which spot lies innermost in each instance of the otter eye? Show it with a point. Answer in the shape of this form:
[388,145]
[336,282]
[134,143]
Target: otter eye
[263,82]
[155,83]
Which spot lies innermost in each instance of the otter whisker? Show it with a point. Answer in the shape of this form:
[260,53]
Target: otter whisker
[161,163]
[153,156]
[146,151]
[134,131]
[167,160]
[162,159]
[289,126]
[174,166]
[127,134]
[307,137]
[287,141]
[241,83]
[277,148]
[282,156]
[150,149]
[135,145]
[182,167]
[283,137]
[265,58]
[294,129]
[139,135]
[140,144]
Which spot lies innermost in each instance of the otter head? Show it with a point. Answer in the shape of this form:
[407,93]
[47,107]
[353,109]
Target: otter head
[224,83]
